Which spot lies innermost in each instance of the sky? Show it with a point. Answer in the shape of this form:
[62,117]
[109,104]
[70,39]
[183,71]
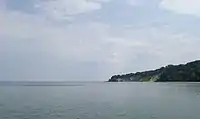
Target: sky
[91,40]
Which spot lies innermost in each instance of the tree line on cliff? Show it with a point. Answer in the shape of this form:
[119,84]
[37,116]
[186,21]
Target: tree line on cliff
[189,72]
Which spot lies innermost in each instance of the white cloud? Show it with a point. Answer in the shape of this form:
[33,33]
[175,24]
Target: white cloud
[33,44]
[61,9]
[72,39]
[135,2]
[191,7]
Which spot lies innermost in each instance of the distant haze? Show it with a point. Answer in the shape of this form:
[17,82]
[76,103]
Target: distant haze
[80,40]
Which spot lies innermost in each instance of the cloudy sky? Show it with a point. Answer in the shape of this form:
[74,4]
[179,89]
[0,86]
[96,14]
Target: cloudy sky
[94,39]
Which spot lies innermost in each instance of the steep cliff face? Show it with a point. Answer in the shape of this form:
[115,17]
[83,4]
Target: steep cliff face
[189,72]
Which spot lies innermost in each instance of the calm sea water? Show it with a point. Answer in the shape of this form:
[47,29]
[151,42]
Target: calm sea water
[100,101]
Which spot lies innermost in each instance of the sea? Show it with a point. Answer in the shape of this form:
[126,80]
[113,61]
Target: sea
[99,100]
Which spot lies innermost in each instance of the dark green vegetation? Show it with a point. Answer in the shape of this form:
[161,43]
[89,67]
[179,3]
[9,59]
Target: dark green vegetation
[189,72]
